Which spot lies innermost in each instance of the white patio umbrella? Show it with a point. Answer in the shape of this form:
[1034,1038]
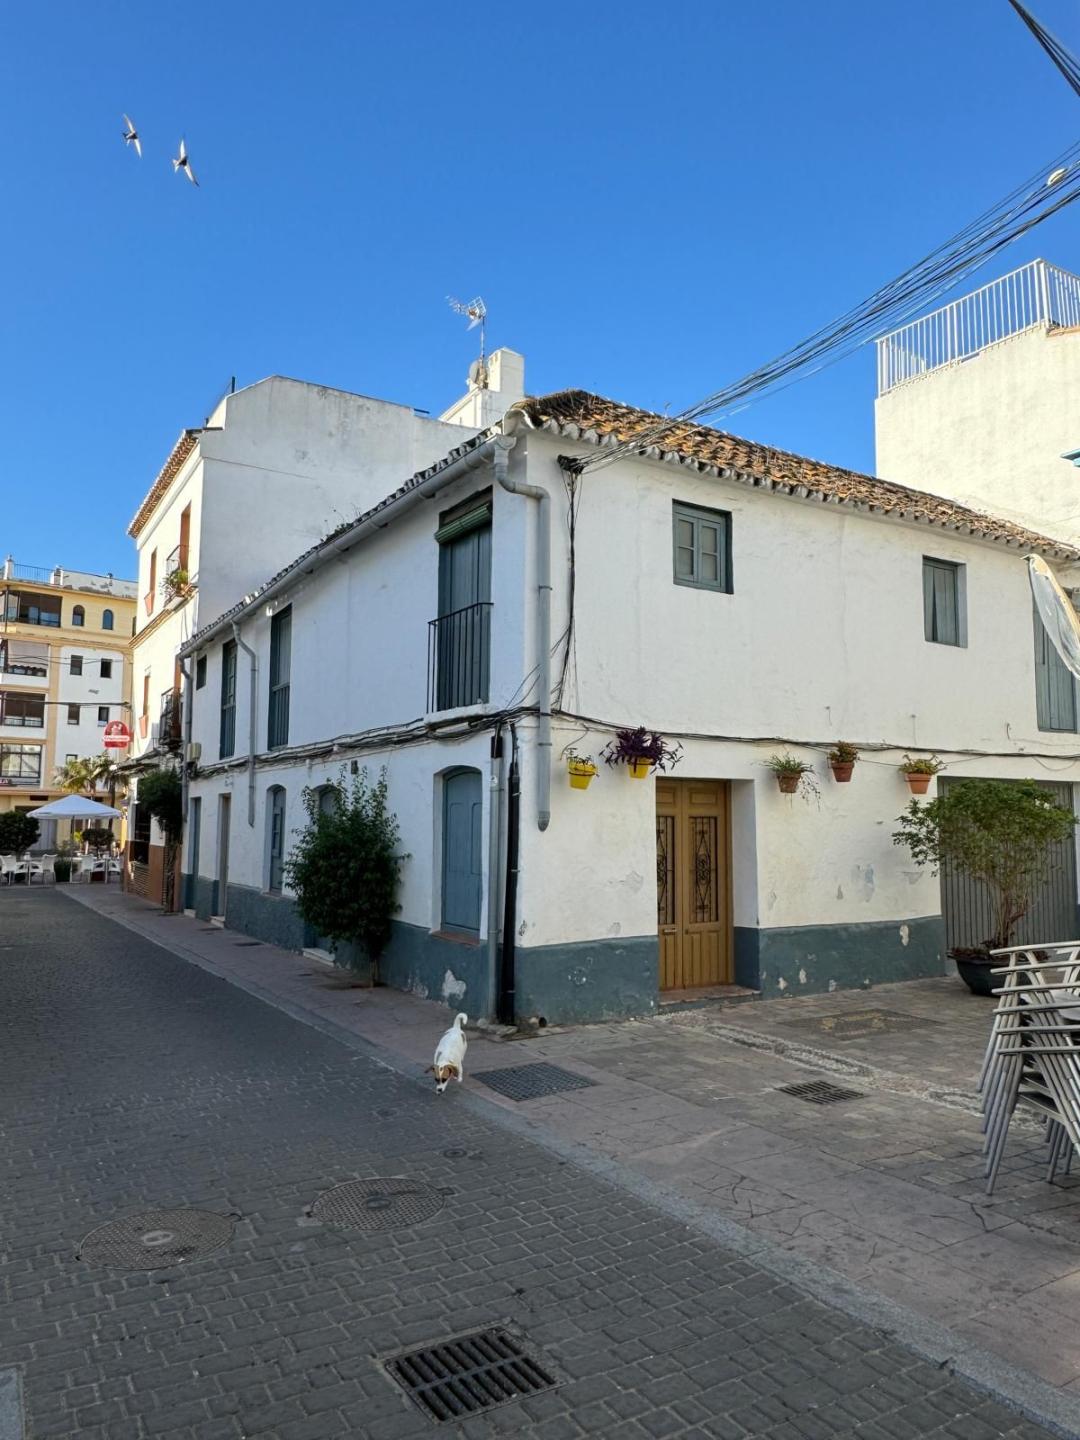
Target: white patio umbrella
[75,807]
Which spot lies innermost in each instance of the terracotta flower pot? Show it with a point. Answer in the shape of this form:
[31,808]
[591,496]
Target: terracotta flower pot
[788,783]
[841,770]
[918,783]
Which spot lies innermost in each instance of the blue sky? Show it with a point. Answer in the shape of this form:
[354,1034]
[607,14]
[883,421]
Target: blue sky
[652,199]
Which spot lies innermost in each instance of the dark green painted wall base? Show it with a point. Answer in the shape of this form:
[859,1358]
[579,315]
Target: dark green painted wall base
[809,959]
[437,968]
[589,980]
[200,895]
[265,917]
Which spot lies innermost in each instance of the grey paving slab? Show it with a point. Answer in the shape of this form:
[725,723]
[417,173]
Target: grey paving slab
[11,1412]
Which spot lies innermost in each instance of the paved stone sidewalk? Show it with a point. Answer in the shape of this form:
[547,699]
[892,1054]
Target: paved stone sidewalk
[885,1190]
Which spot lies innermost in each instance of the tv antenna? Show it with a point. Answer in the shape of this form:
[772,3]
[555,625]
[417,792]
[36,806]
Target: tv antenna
[476,311]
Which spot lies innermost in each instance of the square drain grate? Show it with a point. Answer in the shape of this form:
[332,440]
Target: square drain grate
[468,1375]
[821,1092]
[530,1082]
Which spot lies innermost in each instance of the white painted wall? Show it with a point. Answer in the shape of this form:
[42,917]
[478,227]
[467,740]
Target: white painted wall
[89,691]
[990,431]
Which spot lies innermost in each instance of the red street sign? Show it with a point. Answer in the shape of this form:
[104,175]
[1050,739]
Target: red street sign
[117,735]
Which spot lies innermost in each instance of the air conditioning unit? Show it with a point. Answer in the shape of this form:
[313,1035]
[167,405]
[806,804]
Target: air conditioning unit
[193,751]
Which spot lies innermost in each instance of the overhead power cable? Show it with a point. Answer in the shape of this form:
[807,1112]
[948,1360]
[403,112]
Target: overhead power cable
[1051,189]
[1065,61]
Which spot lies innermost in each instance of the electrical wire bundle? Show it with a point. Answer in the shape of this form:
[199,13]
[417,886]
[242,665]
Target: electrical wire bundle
[1061,57]
[1053,188]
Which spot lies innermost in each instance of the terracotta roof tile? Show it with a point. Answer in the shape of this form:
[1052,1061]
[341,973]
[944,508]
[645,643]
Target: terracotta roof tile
[577,414]
[166,475]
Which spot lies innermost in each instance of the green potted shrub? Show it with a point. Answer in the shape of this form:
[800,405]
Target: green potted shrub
[999,832]
[62,869]
[790,773]
[842,758]
[919,770]
[17,832]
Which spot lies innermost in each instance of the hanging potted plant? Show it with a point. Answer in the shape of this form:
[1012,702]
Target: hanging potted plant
[918,772]
[789,772]
[842,759]
[582,769]
[641,751]
[175,584]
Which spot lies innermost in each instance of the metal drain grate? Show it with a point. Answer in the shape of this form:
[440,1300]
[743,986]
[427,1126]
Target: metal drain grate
[247,942]
[858,1024]
[821,1092]
[469,1375]
[377,1204]
[530,1082]
[156,1238]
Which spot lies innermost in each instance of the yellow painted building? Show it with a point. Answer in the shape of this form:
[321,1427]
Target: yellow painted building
[65,672]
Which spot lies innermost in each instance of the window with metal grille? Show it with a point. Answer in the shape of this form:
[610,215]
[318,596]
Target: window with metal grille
[1055,688]
[106,669]
[227,732]
[139,844]
[944,602]
[277,728]
[275,835]
[73,714]
[103,714]
[702,547]
[76,664]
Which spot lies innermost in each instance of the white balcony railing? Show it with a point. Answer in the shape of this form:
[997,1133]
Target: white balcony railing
[1035,296]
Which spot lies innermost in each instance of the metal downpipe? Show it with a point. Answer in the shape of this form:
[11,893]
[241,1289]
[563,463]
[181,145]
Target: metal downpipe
[503,445]
[495,797]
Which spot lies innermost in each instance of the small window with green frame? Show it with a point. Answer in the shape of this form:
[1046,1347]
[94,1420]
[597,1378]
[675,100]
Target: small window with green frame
[702,547]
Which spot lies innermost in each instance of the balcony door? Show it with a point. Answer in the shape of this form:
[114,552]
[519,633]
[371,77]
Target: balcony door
[463,629]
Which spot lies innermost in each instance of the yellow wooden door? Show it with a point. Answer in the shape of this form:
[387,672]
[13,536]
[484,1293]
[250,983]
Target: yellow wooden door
[693,890]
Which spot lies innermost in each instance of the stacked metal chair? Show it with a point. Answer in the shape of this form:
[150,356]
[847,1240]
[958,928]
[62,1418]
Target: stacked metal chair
[1033,1055]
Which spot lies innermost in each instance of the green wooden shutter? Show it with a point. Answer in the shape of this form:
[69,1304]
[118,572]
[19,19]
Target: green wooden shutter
[1055,688]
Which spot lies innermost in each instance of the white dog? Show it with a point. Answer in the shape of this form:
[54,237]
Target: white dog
[450,1055]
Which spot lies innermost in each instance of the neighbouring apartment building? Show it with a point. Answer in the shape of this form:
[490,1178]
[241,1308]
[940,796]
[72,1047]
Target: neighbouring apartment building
[65,656]
[276,465]
[505,603]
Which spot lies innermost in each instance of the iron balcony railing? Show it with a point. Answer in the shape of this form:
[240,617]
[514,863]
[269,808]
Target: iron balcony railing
[1035,296]
[459,657]
[169,733]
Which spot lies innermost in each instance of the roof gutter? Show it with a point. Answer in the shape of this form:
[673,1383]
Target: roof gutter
[340,544]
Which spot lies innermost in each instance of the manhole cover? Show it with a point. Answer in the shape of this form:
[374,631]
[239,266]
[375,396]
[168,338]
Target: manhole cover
[858,1024]
[820,1092]
[530,1082]
[455,1153]
[377,1204]
[468,1375]
[156,1238]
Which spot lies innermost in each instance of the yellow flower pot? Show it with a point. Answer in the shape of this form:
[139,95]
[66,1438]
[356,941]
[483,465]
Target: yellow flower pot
[580,775]
[639,769]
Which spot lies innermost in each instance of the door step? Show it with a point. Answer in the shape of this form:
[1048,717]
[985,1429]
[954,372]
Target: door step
[218,922]
[705,995]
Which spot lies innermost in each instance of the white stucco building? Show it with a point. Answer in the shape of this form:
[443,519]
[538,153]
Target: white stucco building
[494,602]
[277,465]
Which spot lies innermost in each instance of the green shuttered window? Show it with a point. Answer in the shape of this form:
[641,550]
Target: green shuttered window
[944,602]
[702,547]
[1055,688]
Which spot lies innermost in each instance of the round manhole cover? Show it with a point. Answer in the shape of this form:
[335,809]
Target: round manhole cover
[156,1238]
[377,1204]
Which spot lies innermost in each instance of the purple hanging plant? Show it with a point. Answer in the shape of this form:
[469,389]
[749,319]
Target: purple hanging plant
[628,746]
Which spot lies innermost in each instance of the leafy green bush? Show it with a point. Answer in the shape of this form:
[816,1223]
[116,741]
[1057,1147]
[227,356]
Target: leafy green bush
[62,868]
[97,837]
[345,865]
[1001,832]
[17,832]
[161,793]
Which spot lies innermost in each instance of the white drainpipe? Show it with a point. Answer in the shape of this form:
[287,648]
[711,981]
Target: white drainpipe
[503,445]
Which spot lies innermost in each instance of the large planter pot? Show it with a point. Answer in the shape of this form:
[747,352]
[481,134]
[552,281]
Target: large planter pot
[788,783]
[841,771]
[975,967]
[918,784]
[639,769]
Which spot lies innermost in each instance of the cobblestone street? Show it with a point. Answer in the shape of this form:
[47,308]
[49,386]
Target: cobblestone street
[133,1080]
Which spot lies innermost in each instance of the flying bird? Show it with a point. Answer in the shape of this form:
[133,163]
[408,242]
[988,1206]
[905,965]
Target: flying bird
[449,1062]
[131,135]
[183,163]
